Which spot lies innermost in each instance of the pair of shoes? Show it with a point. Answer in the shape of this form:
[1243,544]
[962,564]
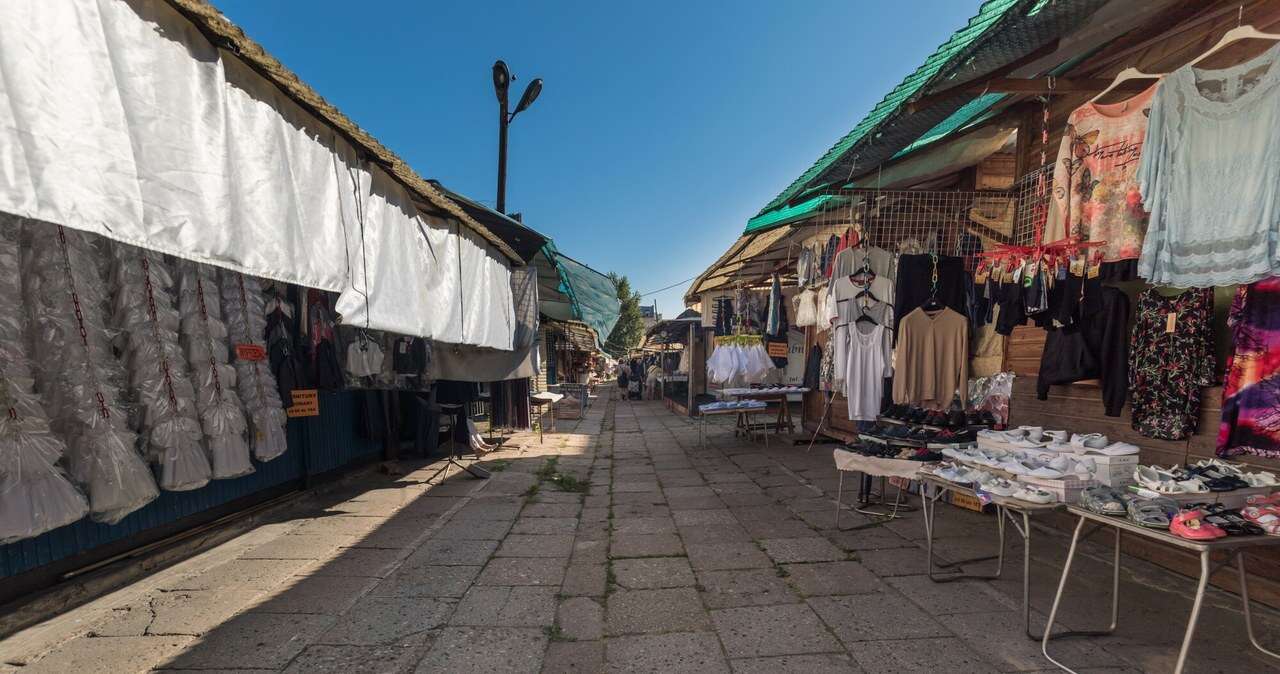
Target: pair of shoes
[1103,500]
[954,436]
[1163,481]
[1259,479]
[1228,520]
[1154,513]
[1190,524]
[1033,495]
[999,486]
[1265,516]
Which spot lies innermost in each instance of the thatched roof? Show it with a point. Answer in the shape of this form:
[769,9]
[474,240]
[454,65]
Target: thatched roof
[230,37]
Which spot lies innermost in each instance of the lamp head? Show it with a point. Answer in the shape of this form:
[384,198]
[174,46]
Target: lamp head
[501,80]
[530,94]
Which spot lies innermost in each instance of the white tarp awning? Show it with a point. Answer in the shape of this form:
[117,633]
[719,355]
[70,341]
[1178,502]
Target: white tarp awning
[119,117]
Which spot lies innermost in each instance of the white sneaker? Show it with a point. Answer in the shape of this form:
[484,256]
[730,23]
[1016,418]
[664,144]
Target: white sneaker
[1114,449]
[1089,440]
[1033,495]
[1014,466]
[1033,433]
[1047,473]
[999,486]
[1057,436]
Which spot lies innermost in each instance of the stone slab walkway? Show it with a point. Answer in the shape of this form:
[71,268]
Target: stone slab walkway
[618,545]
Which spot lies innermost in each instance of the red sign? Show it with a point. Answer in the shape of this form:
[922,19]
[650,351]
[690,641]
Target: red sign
[250,352]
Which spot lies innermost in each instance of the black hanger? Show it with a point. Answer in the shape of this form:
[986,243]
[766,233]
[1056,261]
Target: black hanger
[932,304]
[867,318]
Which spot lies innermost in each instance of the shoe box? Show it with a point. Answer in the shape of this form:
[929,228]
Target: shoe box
[1115,471]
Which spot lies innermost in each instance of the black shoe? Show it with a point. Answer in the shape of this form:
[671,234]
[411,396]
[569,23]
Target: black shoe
[956,419]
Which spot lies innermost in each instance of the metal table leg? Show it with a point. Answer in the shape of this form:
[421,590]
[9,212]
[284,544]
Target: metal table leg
[931,493]
[1024,528]
[1248,615]
[1062,583]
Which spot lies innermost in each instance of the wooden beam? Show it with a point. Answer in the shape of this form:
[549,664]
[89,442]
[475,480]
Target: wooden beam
[939,96]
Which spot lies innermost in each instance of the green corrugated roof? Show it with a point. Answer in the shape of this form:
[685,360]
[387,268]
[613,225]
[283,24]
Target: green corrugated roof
[785,215]
[990,12]
[969,113]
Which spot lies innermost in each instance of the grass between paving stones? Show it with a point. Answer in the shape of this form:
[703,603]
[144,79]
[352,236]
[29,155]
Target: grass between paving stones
[566,483]
[554,633]
[497,465]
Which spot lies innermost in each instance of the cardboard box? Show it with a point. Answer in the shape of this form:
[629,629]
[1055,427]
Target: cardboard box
[1115,471]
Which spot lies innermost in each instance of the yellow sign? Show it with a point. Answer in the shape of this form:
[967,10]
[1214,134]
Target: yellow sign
[306,403]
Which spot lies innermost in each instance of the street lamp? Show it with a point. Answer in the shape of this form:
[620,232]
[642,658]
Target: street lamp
[501,83]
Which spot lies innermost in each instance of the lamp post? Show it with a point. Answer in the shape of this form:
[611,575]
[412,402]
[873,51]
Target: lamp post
[501,83]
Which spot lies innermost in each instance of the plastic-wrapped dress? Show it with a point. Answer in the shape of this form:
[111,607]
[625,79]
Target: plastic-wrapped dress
[244,309]
[35,495]
[204,336]
[78,374]
[158,368]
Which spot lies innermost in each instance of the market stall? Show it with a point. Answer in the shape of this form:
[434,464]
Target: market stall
[1043,268]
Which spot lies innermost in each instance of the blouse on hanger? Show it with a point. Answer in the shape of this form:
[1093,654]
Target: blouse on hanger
[1095,185]
[1210,176]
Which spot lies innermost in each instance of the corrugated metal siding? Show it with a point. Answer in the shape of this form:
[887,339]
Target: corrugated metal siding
[332,439]
[321,444]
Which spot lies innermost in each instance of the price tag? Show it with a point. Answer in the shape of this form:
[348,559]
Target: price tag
[306,403]
[1170,322]
[250,352]
[1077,267]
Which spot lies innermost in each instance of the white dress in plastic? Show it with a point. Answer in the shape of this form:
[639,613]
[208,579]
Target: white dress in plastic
[204,337]
[157,368]
[35,495]
[244,310]
[76,372]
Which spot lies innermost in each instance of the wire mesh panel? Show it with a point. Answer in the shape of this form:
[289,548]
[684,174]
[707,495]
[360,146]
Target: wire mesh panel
[946,222]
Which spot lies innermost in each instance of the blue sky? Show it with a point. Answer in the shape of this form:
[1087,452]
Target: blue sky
[662,126]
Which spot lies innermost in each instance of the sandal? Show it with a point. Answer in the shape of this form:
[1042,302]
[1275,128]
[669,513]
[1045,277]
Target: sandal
[1102,500]
[1267,517]
[1230,521]
[1156,513]
[1190,524]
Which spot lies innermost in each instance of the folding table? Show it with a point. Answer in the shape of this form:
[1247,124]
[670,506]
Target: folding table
[1233,546]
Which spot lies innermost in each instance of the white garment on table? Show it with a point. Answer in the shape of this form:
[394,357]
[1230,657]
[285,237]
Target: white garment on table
[364,358]
[1210,176]
[870,349]
[806,309]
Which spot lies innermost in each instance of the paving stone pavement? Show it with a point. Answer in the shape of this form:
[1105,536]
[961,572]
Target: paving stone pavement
[619,544]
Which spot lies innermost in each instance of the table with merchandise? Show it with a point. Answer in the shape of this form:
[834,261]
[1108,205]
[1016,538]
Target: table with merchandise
[1234,547]
[775,394]
[1016,511]
[741,410]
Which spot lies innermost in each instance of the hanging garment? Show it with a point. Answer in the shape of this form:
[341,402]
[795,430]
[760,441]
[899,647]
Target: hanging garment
[869,361]
[1210,177]
[1095,179]
[845,291]
[1094,348]
[1251,392]
[820,303]
[1171,358]
[931,360]
[913,284]
[806,308]
[841,332]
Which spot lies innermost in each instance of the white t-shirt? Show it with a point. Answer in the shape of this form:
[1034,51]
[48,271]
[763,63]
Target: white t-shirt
[364,358]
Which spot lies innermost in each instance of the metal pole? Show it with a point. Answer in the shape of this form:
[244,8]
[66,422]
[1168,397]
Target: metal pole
[503,120]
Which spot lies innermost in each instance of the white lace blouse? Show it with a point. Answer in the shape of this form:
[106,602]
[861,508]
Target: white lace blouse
[1210,176]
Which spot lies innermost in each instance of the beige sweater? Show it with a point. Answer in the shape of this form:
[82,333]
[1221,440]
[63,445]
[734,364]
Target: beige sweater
[931,360]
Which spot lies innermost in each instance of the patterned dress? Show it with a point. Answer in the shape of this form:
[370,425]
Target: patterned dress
[1251,393]
[1170,360]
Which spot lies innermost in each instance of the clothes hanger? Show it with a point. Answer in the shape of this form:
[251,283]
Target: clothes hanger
[933,304]
[1245,32]
[1124,76]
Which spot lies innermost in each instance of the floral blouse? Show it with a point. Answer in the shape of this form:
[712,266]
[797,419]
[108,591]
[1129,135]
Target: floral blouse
[1171,358]
[1095,184]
